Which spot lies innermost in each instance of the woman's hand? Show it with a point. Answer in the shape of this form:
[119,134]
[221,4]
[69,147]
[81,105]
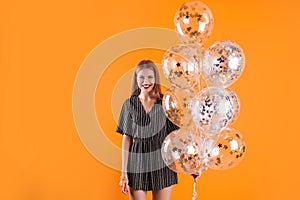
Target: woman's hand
[196,176]
[124,184]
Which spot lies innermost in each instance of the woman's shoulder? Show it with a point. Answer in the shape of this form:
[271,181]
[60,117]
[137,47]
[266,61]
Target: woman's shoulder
[135,98]
[130,100]
[160,99]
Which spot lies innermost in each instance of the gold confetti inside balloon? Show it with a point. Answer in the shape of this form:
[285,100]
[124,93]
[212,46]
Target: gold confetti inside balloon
[181,151]
[194,22]
[181,65]
[212,110]
[229,150]
[176,104]
[224,62]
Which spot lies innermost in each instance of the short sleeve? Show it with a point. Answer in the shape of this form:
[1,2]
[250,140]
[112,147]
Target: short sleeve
[125,120]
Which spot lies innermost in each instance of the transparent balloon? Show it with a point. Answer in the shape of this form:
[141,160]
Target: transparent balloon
[176,105]
[212,110]
[182,65]
[181,151]
[194,22]
[224,63]
[229,150]
[208,145]
[236,104]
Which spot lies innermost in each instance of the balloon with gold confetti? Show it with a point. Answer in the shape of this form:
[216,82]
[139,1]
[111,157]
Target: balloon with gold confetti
[181,65]
[236,104]
[194,22]
[224,62]
[208,145]
[181,151]
[212,110]
[176,104]
[229,150]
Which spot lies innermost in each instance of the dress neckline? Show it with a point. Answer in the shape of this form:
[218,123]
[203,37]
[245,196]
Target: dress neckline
[144,107]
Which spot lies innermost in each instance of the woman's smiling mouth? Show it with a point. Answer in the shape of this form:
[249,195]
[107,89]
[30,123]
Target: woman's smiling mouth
[146,86]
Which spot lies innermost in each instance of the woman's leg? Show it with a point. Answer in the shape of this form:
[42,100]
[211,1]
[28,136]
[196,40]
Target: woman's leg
[137,194]
[164,194]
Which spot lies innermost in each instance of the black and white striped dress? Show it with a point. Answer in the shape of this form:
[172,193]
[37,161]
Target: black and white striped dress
[146,169]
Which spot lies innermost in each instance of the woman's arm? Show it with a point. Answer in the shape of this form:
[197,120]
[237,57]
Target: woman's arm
[126,142]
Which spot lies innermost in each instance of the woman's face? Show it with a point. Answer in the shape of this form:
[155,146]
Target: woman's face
[145,80]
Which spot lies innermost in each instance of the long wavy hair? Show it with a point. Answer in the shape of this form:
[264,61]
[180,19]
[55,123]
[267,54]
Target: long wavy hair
[146,64]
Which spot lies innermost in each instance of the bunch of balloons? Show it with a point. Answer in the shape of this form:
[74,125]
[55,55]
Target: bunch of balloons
[204,110]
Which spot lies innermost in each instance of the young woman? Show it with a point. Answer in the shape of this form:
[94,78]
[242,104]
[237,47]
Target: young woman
[144,126]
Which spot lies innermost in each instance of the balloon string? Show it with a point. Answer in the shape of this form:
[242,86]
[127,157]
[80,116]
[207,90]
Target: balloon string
[194,192]
[204,168]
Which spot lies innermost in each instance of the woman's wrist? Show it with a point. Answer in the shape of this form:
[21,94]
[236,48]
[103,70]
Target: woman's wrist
[123,177]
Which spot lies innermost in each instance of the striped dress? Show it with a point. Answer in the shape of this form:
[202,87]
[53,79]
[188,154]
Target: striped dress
[146,169]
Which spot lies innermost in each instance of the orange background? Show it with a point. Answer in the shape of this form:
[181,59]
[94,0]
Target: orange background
[42,45]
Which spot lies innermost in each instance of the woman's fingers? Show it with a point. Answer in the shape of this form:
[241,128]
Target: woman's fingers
[125,188]
[196,176]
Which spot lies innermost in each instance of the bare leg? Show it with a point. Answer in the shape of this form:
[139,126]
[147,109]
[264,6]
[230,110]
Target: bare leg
[137,194]
[164,194]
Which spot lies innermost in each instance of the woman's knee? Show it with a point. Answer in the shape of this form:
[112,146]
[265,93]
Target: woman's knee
[163,194]
[137,194]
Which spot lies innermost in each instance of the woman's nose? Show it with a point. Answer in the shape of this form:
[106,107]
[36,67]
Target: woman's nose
[146,80]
